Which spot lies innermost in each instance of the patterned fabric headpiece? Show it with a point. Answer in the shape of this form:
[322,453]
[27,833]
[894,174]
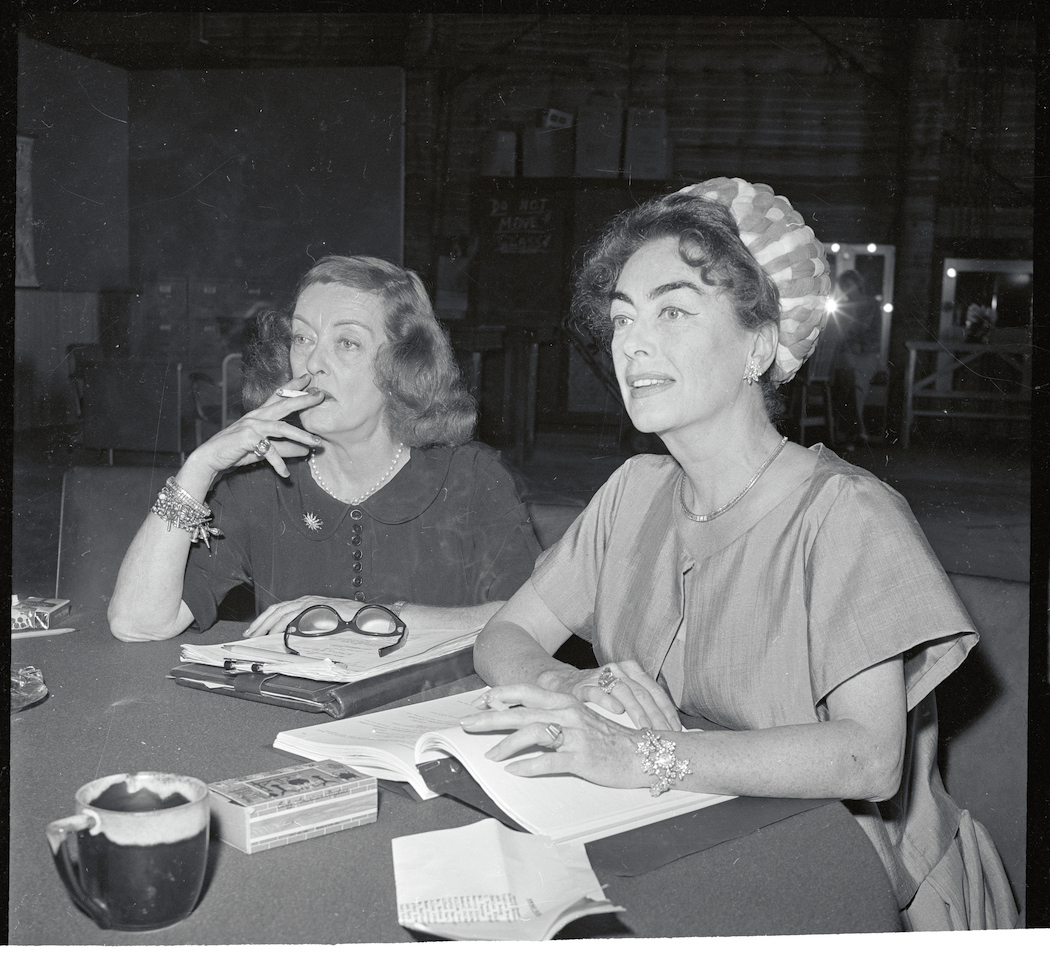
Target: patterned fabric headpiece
[787,250]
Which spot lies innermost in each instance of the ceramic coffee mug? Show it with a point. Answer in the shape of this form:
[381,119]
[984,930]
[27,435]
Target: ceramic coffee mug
[133,856]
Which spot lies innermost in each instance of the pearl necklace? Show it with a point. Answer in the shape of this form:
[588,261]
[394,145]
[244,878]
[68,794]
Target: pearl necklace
[375,488]
[692,516]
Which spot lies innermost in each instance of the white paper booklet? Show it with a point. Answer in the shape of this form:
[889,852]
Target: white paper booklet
[341,658]
[510,886]
[389,745]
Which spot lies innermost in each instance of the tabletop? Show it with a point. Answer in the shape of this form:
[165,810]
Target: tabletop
[111,708]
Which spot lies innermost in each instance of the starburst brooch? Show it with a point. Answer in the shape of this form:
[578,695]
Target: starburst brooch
[312,522]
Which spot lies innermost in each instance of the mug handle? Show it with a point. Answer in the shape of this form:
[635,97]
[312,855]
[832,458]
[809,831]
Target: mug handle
[58,834]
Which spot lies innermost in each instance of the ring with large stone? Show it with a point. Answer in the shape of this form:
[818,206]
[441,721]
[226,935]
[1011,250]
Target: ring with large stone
[555,731]
[261,447]
[607,680]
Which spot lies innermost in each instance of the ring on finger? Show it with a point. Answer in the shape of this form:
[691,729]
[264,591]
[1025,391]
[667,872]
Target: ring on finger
[261,447]
[556,734]
[607,680]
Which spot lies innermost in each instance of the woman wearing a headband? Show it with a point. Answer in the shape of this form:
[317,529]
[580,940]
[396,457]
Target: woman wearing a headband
[777,594]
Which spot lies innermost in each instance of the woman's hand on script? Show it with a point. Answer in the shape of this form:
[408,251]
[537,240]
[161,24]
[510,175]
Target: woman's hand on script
[276,618]
[263,434]
[618,687]
[589,745]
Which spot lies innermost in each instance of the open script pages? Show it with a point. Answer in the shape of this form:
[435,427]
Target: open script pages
[381,744]
[562,806]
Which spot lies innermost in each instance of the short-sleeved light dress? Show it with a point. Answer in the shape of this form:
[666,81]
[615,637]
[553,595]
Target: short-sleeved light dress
[751,619]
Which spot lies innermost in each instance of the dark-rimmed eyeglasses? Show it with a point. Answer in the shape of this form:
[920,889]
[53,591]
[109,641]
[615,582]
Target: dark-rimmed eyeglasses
[323,621]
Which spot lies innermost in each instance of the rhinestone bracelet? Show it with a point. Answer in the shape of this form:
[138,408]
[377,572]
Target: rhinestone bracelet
[658,760]
[181,510]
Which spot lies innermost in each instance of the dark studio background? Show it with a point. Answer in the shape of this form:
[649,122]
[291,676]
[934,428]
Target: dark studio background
[186,166]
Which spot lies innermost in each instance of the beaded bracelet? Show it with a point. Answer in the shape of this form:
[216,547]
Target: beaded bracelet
[181,510]
[658,759]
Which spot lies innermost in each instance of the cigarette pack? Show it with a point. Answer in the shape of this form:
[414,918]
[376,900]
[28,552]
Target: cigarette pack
[33,613]
[273,808]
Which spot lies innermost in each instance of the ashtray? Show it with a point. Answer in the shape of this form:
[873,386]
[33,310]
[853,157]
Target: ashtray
[27,686]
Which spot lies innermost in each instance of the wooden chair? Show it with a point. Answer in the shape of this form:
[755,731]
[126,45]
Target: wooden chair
[218,404]
[133,405]
[79,356]
[550,522]
[982,711]
[102,508]
[814,394]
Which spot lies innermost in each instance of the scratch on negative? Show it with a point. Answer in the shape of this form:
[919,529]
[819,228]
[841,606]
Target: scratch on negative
[112,714]
[87,199]
[96,109]
[123,701]
[189,189]
[105,743]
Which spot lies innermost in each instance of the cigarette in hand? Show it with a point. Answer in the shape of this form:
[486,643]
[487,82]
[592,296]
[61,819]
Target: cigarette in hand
[291,393]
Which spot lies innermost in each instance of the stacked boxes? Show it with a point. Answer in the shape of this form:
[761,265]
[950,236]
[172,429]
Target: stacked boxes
[599,131]
[646,148]
[499,153]
[548,149]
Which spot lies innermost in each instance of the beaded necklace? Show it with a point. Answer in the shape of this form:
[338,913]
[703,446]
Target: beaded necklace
[320,481]
[692,516]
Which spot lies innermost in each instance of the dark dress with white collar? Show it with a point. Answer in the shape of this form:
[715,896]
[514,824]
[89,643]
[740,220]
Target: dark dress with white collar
[448,529]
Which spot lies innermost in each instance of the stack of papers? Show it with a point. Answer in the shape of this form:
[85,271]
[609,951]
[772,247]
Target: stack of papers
[344,658]
[487,882]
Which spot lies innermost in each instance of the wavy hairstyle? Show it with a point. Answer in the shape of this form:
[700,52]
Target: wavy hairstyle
[415,367]
[708,240]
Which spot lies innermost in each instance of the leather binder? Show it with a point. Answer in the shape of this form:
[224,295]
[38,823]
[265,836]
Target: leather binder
[338,700]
